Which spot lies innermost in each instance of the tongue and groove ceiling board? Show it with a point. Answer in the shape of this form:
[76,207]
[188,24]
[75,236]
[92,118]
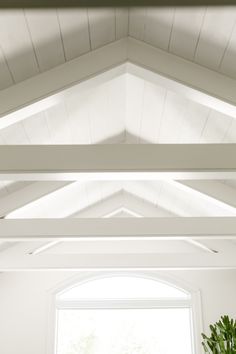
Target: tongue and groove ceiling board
[32,41]
[126,109]
[122,102]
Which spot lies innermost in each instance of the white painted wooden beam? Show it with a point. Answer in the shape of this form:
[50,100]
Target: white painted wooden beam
[127,228]
[189,79]
[136,206]
[28,194]
[43,248]
[118,162]
[49,88]
[98,262]
[222,194]
[186,78]
[123,199]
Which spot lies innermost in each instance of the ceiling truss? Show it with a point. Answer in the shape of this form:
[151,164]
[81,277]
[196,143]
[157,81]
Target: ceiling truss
[127,162]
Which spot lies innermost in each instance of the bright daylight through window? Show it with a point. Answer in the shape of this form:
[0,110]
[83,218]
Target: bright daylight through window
[124,315]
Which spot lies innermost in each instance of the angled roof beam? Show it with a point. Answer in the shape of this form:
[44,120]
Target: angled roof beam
[189,79]
[220,193]
[195,82]
[49,88]
[121,199]
[139,207]
[125,228]
[101,207]
[108,207]
[118,162]
[28,194]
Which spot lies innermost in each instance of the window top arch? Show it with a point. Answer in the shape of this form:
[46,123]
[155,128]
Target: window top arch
[123,287]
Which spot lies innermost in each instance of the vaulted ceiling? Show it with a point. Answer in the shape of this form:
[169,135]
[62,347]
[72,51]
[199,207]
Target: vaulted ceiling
[123,109]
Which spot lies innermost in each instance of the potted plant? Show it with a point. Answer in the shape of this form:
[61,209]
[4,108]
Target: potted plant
[222,339]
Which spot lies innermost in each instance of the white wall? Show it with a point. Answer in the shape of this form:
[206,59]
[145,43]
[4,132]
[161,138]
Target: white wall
[25,298]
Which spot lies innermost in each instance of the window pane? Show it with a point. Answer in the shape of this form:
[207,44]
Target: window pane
[123,287]
[142,331]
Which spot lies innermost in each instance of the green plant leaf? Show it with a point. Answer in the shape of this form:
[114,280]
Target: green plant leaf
[222,339]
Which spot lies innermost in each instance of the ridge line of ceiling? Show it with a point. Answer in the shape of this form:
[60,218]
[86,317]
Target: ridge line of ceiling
[189,79]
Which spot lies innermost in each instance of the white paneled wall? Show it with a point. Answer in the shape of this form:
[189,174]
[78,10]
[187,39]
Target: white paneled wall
[16,44]
[47,43]
[152,112]
[186,31]
[134,107]
[32,41]
[158,26]
[57,123]
[5,74]
[102,24]
[204,35]
[172,117]
[230,136]
[216,127]
[215,34]
[78,119]
[194,122]
[74,31]
[228,61]
[122,22]
[28,317]
[36,128]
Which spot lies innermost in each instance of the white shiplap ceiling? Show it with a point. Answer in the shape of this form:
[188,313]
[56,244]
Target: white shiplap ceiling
[32,41]
[125,109]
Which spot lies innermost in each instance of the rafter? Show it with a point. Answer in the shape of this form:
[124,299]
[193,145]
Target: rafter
[222,194]
[49,88]
[138,206]
[121,199]
[189,79]
[28,194]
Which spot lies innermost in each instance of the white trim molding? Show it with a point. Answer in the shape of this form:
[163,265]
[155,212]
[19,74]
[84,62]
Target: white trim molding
[194,302]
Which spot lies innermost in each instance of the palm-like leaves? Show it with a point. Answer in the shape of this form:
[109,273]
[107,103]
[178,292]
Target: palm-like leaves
[223,337]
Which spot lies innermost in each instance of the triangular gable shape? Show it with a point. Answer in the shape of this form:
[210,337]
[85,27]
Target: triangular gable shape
[187,79]
[148,198]
[125,104]
[128,206]
[124,93]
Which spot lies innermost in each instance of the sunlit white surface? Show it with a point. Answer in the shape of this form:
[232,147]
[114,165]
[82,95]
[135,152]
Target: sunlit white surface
[122,329]
[143,331]
[165,196]
[122,287]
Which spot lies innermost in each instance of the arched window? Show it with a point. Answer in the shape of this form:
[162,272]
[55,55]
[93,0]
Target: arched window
[124,315]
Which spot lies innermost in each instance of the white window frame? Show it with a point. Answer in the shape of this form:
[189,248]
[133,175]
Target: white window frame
[193,303]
